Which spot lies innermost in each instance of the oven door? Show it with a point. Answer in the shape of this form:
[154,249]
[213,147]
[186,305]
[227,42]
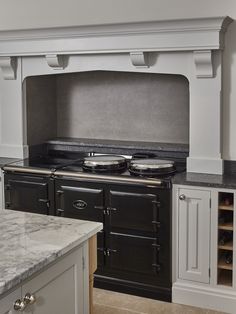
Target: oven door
[139,234]
[133,211]
[28,193]
[138,259]
[80,200]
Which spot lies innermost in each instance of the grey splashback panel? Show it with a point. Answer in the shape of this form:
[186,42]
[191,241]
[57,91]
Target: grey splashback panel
[41,109]
[118,147]
[123,106]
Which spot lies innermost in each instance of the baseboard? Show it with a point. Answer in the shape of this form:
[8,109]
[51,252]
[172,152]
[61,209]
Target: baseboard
[138,289]
[205,297]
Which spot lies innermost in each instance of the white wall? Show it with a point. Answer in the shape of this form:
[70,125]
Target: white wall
[43,13]
[48,13]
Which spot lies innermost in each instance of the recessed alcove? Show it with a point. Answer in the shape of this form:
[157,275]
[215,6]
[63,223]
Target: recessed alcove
[108,105]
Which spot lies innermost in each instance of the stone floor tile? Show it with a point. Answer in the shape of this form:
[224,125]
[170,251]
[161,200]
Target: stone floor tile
[109,302]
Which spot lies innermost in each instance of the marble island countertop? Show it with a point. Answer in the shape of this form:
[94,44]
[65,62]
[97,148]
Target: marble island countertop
[29,242]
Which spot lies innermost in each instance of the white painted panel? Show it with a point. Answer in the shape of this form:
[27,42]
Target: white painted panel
[59,289]
[7,303]
[1,190]
[193,231]
[194,235]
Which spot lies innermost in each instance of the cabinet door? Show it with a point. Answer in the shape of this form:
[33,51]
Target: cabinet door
[7,303]
[27,193]
[60,289]
[194,235]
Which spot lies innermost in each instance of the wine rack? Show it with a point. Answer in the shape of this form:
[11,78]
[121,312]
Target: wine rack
[225,238]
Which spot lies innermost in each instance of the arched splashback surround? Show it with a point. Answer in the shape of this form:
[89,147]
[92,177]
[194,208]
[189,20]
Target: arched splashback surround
[108,105]
[192,48]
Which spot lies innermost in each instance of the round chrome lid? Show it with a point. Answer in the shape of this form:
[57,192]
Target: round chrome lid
[151,164]
[103,160]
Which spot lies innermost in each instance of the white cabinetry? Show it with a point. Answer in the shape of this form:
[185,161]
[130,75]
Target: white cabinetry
[7,303]
[1,190]
[61,288]
[204,272]
[194,235]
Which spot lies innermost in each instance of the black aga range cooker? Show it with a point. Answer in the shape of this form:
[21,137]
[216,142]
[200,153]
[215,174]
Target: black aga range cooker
[130,195]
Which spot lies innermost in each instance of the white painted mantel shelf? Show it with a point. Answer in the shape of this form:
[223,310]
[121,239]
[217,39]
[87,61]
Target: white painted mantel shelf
[191,47]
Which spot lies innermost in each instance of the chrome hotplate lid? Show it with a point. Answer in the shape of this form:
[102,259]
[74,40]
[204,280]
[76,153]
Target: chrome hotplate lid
[151,167]
[151,163]
[103,160]
[104,163]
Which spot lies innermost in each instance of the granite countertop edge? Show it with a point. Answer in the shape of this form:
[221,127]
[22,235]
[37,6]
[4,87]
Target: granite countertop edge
[50,256]
[227,181]
[7,160]
[82,142]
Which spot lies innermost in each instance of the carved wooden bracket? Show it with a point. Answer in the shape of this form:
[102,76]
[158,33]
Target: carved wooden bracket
[8,66]
[55,61]
[139,59]
[203,63]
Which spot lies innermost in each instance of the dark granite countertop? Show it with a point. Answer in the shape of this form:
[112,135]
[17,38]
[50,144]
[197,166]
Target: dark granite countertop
[118,147]
[227,181]
[4,161]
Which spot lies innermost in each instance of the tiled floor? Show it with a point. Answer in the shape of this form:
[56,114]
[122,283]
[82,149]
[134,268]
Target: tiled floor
[108,302]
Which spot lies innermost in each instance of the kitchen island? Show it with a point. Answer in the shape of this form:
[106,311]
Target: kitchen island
[44,263]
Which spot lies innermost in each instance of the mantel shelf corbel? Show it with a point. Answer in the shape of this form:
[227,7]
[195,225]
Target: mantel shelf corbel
[55,61]
[8,66]
[203,63]
[139,59]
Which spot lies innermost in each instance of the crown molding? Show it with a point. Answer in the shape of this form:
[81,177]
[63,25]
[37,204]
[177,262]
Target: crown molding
[173,35]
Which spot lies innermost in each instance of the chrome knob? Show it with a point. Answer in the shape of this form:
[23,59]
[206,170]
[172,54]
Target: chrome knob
[19,305]
[29,298]
[182,197]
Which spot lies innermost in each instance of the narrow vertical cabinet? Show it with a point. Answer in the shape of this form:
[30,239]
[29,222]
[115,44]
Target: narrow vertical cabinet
[225,239]
[204,247]
[194,235]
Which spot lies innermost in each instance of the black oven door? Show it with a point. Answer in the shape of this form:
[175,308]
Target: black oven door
[82,200]
[29,193]
[79,200]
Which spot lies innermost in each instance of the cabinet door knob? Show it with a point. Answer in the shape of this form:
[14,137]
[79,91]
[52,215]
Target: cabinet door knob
[29,298]
[19,305]
[182,197]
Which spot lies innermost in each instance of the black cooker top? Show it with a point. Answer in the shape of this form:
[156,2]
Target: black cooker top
[118,165]
[143,165]
[48,163]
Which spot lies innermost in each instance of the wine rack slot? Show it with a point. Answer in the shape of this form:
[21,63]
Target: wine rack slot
[225,238]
